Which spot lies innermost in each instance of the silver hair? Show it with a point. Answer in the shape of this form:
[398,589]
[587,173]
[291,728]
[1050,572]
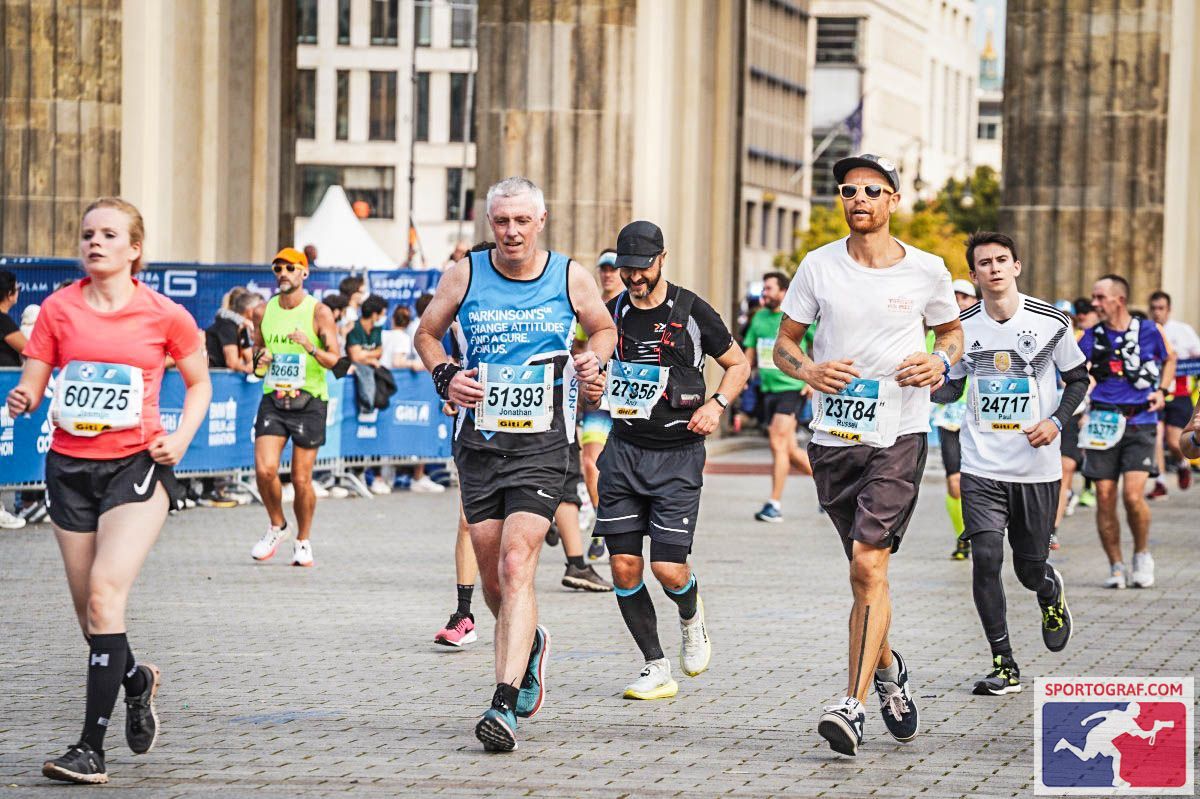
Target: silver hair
[517,186]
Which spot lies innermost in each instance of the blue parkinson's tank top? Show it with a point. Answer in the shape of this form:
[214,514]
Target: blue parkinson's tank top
[519,323]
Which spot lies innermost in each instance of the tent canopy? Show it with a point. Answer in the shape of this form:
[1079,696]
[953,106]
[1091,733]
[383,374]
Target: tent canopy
[339,236]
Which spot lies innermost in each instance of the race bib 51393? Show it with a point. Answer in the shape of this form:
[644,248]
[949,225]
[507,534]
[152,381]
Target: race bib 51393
[516,399]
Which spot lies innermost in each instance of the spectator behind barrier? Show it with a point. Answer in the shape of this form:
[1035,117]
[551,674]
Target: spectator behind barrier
[397,343]
[365,346]
[12,340]
[228,337]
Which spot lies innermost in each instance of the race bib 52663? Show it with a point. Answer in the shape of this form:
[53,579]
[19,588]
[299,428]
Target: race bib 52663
[286,372]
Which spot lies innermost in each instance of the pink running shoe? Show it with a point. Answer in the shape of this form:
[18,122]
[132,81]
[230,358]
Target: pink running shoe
[459,631]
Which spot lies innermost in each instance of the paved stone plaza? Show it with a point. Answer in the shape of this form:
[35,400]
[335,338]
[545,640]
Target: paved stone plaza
[288,682]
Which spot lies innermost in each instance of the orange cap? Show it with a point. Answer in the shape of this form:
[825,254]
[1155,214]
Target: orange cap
[290,255]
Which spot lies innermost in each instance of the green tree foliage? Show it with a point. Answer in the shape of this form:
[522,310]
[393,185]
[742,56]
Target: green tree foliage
[930,230]
[981,212]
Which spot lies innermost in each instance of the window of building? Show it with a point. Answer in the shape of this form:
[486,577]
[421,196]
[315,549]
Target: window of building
[422,16]
[824,186]
[783,236]
[748,225]
[837,40]
[421,129]
[462,107]
[989,130]
[306,103]
[374,185]
[791,242]
[383,107]
[306,21]
[766,223]
[460,195]
[343,22]
[462,23]
[342,131]
[384,15]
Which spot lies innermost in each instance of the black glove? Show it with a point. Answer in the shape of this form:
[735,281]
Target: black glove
[442,375]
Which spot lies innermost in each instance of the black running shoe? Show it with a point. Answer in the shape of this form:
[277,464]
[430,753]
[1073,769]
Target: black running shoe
[842,726]
[141,719]
[1056,618]
[962,550]
[81,764]
[1004,679]
[896,704]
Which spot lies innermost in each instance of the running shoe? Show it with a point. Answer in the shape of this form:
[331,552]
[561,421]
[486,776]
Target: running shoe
[320,491]
[10,521]
[81,764]
[216,499]
[338,492]
[896,704]
[426,485]
[654,682]
[302,554]
[497,729]
[1005,678]
[585,579]
[1116,576]
[1158,492]
[533,686]
[1184,474]
[962,550]
[141,719]
[380,486]
[587,511]
[272,538]
[695,650]
[1143,570]
[596,548]
[552,536]
[459,631]
[1054,545]
[1072,503]
[769,513]
[1087,498]
[842,725]
[1056,618]
[35,512]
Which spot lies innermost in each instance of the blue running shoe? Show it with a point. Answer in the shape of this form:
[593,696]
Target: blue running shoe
[896,703]
[497,729]
[769,513]
[533,687]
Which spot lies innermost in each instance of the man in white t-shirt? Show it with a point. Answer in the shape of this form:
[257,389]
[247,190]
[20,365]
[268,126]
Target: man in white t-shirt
[1016,348]
[1178,410]
[871,375]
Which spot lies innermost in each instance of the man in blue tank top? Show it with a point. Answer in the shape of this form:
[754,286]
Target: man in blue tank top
[518,387]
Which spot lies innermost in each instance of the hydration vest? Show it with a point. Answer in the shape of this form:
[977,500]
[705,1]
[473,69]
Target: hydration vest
[1107,363]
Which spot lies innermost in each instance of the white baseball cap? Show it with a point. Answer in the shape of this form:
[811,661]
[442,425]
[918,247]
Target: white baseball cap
[961,286]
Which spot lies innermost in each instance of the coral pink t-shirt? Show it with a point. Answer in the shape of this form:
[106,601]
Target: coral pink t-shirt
[142,333]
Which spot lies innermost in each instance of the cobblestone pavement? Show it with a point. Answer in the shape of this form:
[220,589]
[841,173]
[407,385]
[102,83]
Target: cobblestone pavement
[289,682]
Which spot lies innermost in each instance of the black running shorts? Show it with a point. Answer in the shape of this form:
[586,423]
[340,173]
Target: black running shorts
[870,492]
[570,487]
[1133,453]
[495,486]
[653,492]
[783,403]
[305,427]
[1178,412]
[80,490]
[1070,441]
[1026,510]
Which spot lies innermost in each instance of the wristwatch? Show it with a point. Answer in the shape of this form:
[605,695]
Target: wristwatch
[720,400]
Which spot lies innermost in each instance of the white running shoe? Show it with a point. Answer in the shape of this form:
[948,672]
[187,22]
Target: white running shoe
[338,492]
[266,546]
[695,650]
[1143,570]
[10,521]
[302,553]
[1116,577]
[289,492]
[1072,503]
[426,485]
[320,491]
[654,682]
[587,512]
[380,486]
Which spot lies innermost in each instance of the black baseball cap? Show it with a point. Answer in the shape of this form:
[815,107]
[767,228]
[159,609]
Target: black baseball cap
[883,166]
[638,244]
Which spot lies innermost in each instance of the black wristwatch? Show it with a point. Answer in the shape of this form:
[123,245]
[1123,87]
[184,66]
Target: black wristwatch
[720,400]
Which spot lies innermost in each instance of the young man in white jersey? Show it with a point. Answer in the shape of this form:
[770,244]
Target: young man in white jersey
[870,371]
[1016,348]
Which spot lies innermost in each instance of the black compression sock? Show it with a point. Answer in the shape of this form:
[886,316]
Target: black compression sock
[106,668]
[464,598]
[638,611]
[576,561]
[685,598]
[135,679]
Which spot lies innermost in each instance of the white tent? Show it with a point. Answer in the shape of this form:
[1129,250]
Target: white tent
[339,236]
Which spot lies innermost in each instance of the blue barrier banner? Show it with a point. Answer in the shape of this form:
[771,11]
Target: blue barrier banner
[1189,367]
[411,427]
[200,287]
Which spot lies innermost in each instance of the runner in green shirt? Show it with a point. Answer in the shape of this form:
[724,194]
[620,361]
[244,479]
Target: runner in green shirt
[783,396]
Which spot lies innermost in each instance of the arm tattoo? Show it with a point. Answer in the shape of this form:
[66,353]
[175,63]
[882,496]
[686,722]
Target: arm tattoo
[787,356]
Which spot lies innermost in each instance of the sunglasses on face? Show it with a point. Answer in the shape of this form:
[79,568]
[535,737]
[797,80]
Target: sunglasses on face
[278,268]
[874,191]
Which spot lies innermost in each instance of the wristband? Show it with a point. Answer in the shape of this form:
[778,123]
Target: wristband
[442,374]
[1057,423]
[945,360]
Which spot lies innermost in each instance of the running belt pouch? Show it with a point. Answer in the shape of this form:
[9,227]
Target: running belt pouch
[685,383]
[290,400]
